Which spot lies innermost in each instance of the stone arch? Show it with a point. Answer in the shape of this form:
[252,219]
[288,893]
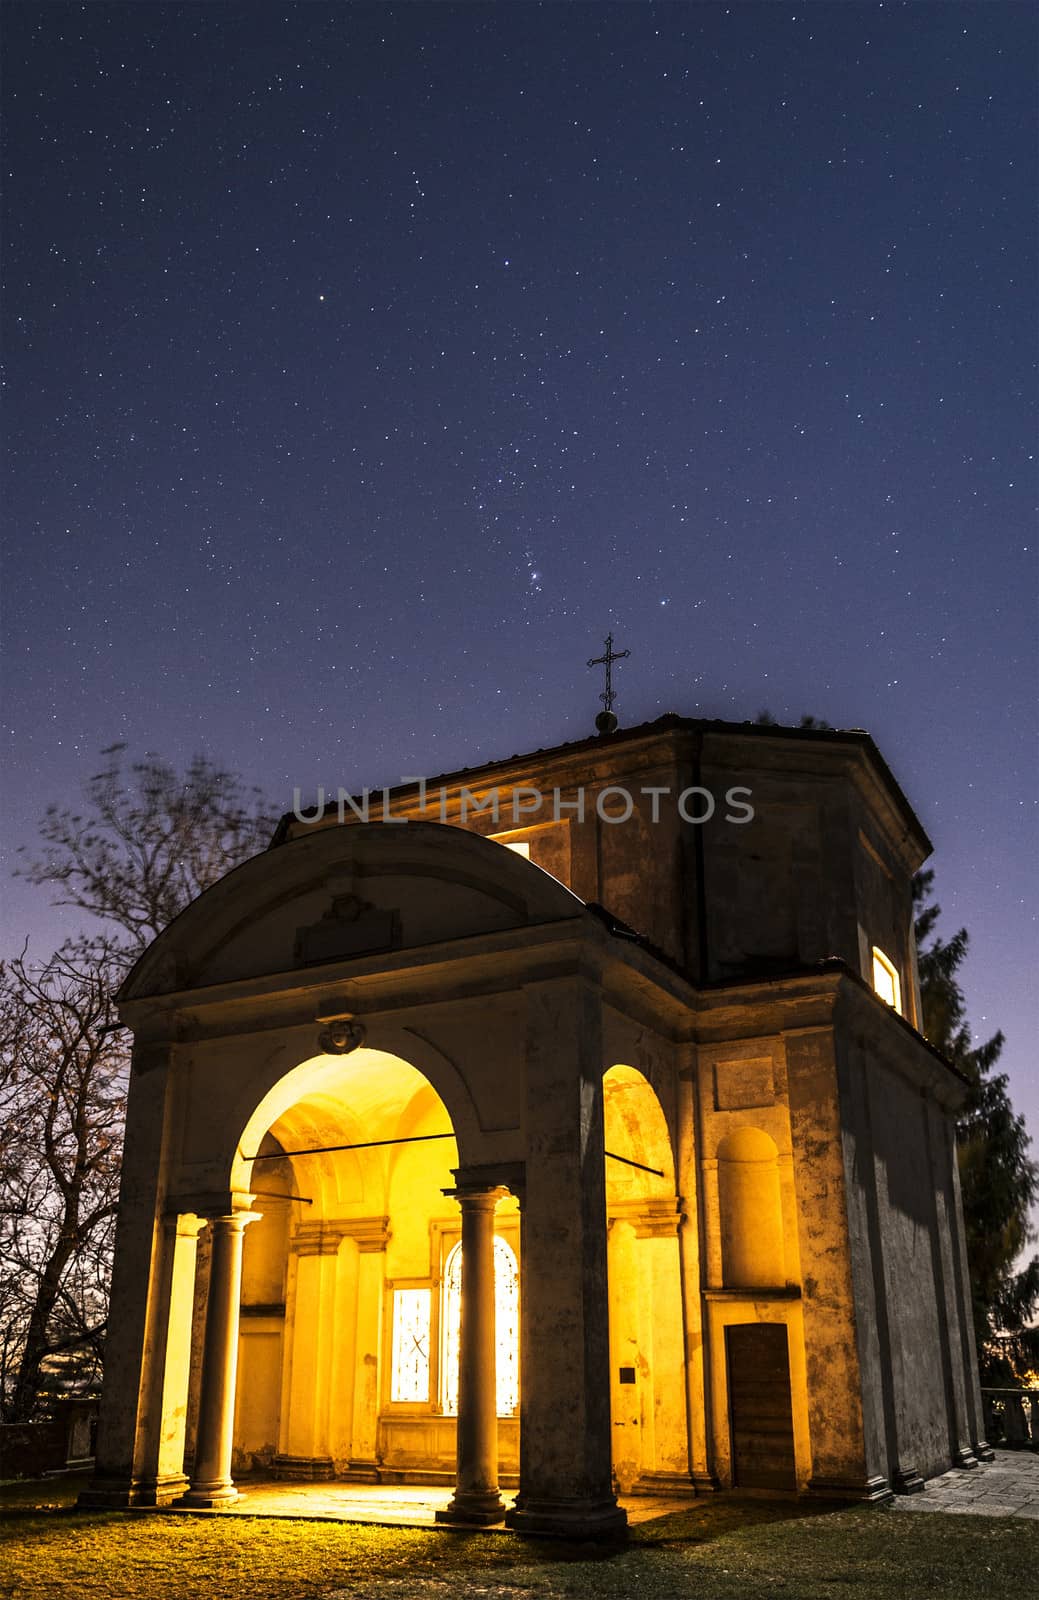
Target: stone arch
[647,1392]
[314,1351]
[328,1100]
[750,1210]
[635,1131]
[274,1089]
[427,938]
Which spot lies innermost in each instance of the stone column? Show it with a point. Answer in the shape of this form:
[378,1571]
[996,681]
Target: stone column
[476,1497]
[691,1256]
[848,1352]
[142,1271]
[211,1483]
[182,1231]
[565,1479]
[938,1133]
[965,1320]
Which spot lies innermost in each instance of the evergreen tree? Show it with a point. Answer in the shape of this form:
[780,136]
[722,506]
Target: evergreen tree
[998,1180]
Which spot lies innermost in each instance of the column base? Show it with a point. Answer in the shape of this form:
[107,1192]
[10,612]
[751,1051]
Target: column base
[984,1451]
[673,1484]
[964,1458]
[204,1497]
[120,1494]
[568,1519]
[468,1508]
[869,1491]
[304,1469]
[908,1481]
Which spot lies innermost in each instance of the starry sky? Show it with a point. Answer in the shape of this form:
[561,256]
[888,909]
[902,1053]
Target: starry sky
[366,363]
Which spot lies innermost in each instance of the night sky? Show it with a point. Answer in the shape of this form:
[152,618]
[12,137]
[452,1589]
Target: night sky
[366,363]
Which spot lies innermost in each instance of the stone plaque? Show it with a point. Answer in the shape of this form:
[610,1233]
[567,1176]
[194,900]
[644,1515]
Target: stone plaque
[739,1085]
[350,927]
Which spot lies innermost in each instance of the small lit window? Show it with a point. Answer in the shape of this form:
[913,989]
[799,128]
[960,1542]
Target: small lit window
[410,1364]
[885,980]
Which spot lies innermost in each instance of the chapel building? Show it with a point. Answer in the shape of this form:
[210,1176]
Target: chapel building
[562,1126]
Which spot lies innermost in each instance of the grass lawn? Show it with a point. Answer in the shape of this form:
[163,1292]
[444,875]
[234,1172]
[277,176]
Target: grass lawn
[721,1550]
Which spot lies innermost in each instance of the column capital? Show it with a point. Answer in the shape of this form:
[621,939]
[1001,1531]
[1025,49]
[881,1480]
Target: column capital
[185,1224]
[473,1197]
[232,1221]
[506,1175]
[212,1203]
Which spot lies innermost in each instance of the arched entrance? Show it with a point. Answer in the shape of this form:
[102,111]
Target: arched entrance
[350,1308]
[647,1382]
[325,1043]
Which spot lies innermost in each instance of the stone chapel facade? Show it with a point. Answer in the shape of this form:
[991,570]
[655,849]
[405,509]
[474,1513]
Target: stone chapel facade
[613,1161]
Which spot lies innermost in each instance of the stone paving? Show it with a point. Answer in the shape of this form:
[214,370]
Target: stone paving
[1005,1487]
[387,1505]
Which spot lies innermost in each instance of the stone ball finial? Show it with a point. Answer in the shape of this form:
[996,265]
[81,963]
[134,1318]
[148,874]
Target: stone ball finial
[606,722]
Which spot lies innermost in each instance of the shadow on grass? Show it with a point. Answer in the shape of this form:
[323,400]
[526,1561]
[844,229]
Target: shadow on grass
[722,1514]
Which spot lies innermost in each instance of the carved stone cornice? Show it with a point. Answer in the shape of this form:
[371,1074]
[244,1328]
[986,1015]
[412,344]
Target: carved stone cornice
[651,1217]
[371,1234]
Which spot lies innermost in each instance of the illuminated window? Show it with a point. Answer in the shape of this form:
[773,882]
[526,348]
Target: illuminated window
[410,1362]
[506,1329]
[451,1322]
[885,980]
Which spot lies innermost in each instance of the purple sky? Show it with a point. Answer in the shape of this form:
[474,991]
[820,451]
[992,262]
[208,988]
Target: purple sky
[367,363]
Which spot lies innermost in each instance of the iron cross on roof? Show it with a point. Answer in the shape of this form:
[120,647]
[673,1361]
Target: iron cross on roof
[606,721]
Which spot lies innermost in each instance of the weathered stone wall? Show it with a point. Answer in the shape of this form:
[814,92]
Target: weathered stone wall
[722,898]
[897,1102]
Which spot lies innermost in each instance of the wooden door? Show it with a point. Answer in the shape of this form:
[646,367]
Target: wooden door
[760,1412]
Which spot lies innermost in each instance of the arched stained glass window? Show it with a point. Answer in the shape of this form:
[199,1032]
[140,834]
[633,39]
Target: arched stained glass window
[506,1329]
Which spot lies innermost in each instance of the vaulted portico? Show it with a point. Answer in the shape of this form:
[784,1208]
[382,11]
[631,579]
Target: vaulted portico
[351,1052]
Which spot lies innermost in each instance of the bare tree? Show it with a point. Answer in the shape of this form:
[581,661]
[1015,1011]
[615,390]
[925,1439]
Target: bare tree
[146,841]
[149,840]
[62,1097]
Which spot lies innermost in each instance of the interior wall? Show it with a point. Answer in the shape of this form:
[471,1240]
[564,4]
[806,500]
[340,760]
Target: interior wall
[340,1232]
[647,1343]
